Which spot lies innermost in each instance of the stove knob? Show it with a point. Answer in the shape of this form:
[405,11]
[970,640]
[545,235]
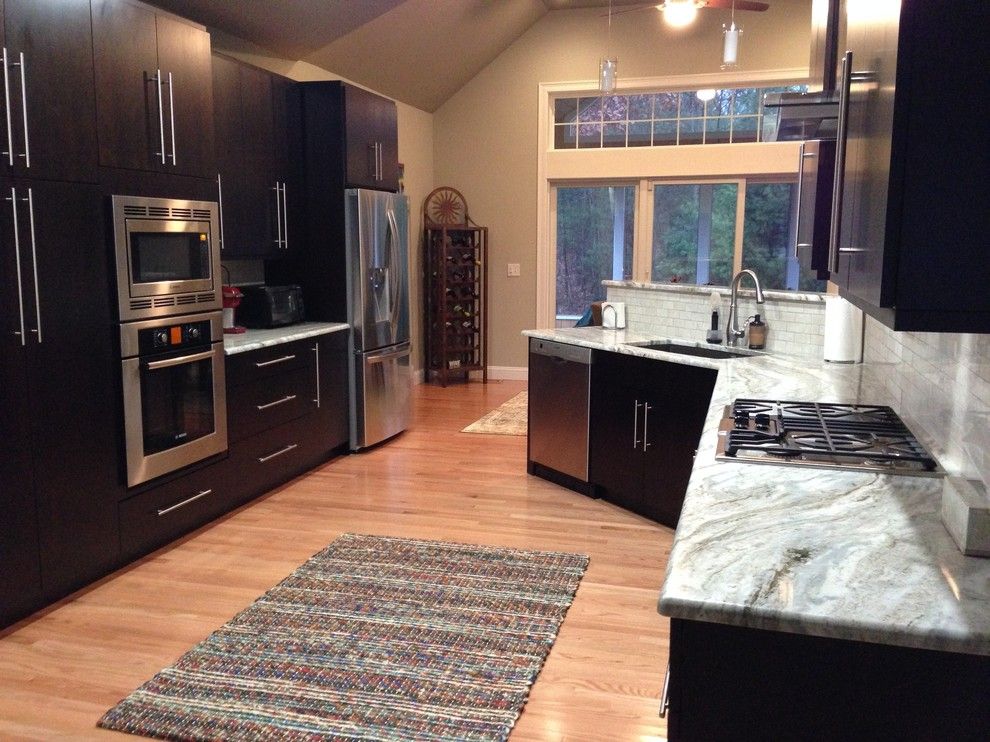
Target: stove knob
[193,333]
[762,421]
[161,338]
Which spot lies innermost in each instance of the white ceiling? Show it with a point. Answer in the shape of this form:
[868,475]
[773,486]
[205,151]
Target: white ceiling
[420,52]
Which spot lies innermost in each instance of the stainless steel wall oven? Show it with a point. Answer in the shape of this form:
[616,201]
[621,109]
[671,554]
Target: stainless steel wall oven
[174,393]
[167,257]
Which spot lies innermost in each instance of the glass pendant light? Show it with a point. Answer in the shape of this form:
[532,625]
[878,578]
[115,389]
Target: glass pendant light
[608,66]
[730,46]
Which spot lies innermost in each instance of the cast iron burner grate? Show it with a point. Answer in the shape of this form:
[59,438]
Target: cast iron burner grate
[820,433]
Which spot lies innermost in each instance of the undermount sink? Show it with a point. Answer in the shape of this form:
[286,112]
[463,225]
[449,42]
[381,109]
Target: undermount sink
[694,350]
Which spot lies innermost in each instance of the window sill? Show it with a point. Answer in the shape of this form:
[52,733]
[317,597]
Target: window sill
[684,288]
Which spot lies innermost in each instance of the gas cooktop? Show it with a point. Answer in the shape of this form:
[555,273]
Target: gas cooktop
[820,434]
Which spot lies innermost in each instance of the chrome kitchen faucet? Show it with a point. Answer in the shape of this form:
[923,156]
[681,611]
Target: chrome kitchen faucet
[732,331]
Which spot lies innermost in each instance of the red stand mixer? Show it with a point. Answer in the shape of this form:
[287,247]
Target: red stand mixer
[231,300]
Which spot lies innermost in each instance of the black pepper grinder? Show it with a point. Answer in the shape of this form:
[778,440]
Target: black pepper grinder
[757,333]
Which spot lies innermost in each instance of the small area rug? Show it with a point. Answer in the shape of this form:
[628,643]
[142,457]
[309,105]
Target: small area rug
[371,639]
[509,418]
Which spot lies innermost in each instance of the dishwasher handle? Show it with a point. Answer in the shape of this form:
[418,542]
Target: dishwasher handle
[561,351]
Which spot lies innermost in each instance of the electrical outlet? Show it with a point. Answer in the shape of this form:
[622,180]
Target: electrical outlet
[513,270]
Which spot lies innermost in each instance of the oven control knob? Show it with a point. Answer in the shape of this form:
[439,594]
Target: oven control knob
[193,333]
[161,338]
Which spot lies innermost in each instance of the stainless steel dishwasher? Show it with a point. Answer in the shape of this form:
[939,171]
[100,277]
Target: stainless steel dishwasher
[559,410]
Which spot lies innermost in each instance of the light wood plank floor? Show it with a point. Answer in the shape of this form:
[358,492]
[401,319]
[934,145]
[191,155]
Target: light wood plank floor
[61,669]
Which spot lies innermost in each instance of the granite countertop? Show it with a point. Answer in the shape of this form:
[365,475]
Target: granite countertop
[842,554]
[255,339]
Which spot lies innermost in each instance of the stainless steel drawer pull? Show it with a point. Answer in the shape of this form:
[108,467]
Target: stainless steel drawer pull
[6,98]
[161,116]
[34,261]
[271,456]
[853,249]
[171,115]
[278,216]
[17,257]
[636,424]
[276,403]
[646,423]
[665,694]
[166,511]
[220,207]
[27,138]
[283,359]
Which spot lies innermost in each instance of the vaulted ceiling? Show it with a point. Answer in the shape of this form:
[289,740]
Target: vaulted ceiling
[417,51]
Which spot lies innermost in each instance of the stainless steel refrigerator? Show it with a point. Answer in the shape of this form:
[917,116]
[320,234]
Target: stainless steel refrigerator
[377,254]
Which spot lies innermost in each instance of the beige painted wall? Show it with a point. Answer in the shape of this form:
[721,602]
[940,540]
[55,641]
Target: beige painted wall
[486,138]
[416,150]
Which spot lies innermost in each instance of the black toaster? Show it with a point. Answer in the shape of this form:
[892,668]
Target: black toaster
[271,306]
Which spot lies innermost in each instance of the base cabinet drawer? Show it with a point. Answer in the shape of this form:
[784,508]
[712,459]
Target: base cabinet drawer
[275,361]
[264,404]
[266,460]
[157,516]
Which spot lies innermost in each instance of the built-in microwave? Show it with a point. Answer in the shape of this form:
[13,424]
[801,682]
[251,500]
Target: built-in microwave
[168,257]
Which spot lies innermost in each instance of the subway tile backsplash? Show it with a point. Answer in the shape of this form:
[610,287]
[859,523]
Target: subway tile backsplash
[795,322]
[941,384]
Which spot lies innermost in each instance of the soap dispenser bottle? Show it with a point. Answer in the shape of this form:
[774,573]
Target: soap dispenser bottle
[757,333]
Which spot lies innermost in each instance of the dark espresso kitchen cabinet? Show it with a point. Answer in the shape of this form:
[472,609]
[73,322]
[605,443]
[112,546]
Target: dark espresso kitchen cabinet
[360,133]
[732,683]
[646,420]
[154,90]
[257,122]
[49,130]
[61,443]
[909,245]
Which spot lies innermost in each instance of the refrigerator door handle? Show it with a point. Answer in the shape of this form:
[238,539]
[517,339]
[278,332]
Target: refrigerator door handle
[380,356]
[394,269]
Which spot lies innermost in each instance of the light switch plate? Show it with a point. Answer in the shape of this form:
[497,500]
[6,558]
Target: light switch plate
[514,270]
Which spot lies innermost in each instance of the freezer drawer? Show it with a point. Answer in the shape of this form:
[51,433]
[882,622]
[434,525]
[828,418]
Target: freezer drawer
[381,403]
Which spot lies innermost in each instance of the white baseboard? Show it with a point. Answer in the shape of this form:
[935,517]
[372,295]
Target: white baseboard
[508,373]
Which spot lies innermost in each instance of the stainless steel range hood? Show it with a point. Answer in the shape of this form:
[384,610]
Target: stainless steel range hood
[799,116]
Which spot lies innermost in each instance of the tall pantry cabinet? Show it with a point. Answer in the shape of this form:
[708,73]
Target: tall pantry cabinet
[58,430]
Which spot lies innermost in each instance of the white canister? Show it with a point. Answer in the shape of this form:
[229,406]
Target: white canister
[614,314]
[843,331]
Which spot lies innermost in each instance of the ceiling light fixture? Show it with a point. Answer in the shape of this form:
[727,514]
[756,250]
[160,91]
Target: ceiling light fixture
[608,66]
[706,94]
[730,46]
[679,13]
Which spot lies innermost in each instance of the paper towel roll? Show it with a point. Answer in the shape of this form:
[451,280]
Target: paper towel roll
[843,331]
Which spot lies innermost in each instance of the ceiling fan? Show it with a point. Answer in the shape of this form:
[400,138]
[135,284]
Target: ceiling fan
[682,12]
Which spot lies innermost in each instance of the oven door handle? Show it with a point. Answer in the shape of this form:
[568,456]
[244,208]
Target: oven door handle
[155,365]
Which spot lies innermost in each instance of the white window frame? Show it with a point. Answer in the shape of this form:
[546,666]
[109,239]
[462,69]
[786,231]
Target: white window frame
[770,160]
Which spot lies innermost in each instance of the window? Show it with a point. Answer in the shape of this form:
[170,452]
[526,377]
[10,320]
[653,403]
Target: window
[694,233]
[661,119]
[594,243]
[768,238]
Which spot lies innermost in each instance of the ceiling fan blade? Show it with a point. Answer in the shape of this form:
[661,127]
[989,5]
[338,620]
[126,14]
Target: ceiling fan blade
[740,5]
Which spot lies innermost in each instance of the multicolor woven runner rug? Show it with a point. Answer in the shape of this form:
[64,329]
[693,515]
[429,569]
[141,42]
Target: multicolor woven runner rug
[371,639]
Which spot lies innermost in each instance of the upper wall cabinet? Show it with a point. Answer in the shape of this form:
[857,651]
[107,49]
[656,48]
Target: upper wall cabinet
[372,140]
[154,89]
[48,125]
[910,236]
[359,134]
[256,116]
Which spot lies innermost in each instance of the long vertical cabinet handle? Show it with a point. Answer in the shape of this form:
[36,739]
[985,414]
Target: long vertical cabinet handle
[646,425]
[17,254]
[6,100]
[161,116]
[840,162]
[316,349]
[285,218]
[34,263]
[24,110]
[220,208]
[278,216]
[636,424]
[171,115]
[802,155]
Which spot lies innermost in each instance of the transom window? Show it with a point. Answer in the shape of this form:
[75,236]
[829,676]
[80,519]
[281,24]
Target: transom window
[722,116]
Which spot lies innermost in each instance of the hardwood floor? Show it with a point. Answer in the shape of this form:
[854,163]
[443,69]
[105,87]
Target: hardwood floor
[61,669]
